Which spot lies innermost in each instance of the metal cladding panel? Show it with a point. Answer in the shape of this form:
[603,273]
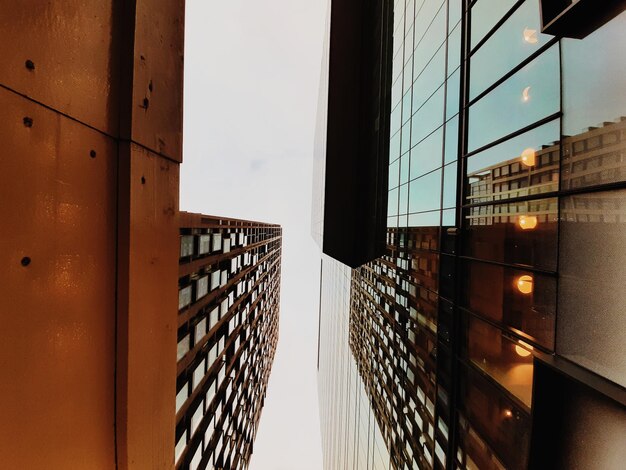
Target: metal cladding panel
[73,58]
[357,140]
[577,18]
[57,352]
[147,302]
[157,115]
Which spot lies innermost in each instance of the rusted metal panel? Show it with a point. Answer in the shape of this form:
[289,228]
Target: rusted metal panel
[147,305]
[157,112]
[57,283]
[64,55]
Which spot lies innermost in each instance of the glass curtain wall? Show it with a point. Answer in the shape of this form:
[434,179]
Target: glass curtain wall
[507,190]
[351,437]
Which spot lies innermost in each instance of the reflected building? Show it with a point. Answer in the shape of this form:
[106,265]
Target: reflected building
[488,332]
[228,303]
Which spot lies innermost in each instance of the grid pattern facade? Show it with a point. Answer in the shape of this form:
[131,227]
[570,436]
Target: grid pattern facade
[229,290]
[393,336]
[351,437]
[507,205]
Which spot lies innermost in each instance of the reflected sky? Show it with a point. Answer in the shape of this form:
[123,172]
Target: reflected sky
[529,95]
[514,41]
[593,78]
[547,134]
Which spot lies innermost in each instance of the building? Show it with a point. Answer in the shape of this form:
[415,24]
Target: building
[91,96]
[228,302]
[91,249]
[488,334]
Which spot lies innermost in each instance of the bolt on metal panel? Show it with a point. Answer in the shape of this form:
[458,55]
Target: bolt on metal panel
[157,113]
[64,55]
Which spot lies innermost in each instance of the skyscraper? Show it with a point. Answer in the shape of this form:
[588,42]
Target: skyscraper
[228,303]
[488,332]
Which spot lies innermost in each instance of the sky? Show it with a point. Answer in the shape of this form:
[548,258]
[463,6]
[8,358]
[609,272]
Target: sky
[251,86]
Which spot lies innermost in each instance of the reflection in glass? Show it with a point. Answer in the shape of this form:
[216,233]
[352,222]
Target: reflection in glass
[394,173]
[541,76]
[429,117]
[425,219]
[392,205]
[509,362]
[527,222]
[431,32]
[495,292]
[516,40]
[404,200]
[454,49]
[425,193]
[449,185]
[427,155]
[452,140]
[394,147]
[594,157]
[589,99]
[505,172]
[485,15]
[491,414]
[430,79]
[453,94]
[524,284]
[404,168]
[523,233]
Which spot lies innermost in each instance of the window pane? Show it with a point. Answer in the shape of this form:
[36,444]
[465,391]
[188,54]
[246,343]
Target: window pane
[593,155]
[496,417]
[425,193]
[449,186]
[519,37]
[485,15]
[428,118]
[535,157]
[525,98]
[522,233]
[427,155]
[430,78]
[507,361]
[512,297]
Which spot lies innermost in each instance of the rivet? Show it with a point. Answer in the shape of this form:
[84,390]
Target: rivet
[30,65]
[25,261]
[28,122]
[92,154]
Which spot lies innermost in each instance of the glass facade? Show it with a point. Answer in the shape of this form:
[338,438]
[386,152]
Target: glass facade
[505,243]
[229,290]
[351,437]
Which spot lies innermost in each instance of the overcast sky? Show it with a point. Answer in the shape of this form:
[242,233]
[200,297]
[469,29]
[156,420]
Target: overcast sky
[251,85]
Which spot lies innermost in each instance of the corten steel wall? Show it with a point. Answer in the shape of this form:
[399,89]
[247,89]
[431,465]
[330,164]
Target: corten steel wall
[91,99]
[229,291]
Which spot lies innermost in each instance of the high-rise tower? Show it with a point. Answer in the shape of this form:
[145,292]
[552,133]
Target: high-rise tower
[489,334]
[228,302]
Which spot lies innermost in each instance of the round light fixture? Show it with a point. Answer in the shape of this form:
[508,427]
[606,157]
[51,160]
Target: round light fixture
[527,222]
[521,351]
[530,36]
[525,284]
[529,157]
